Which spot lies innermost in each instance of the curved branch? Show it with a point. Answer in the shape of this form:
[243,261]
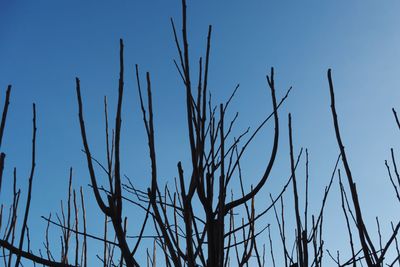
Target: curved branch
[261,183]
[96,192]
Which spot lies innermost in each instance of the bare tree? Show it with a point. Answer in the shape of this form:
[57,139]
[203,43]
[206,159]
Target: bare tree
[195,222]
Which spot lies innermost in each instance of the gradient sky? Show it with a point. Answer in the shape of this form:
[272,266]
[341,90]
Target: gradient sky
[45,44]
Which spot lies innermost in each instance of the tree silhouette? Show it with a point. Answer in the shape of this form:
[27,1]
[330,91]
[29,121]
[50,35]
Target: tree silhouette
[194,222]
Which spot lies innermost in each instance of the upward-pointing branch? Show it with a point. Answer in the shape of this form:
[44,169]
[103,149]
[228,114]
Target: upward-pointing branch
[264,178]
[359,219]
[28,201]
[93,180]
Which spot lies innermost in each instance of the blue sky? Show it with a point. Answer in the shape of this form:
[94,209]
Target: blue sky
[45,44]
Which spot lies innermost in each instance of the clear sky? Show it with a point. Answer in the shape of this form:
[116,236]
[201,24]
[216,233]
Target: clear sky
[45,44]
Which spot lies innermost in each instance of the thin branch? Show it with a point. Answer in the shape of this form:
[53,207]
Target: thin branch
[28,201]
